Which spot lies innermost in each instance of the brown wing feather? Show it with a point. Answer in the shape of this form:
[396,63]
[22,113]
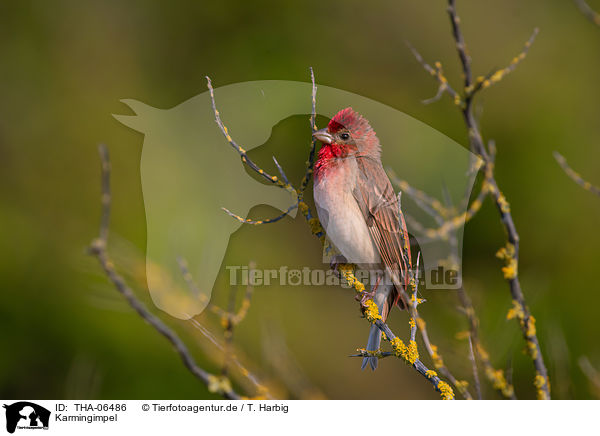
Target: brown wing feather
[379,204]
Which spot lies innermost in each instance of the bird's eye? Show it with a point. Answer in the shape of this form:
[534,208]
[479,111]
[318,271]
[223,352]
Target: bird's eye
[344,136]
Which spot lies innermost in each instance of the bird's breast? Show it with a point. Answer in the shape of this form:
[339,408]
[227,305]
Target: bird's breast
[340,214]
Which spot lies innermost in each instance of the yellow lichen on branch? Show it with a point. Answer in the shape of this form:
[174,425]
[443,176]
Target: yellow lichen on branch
[539,382]
[515,312]
[409,353]
[511,265]
[496,376]
[347,272]
[438,362]
[371,311]
[445,390]
[218,384]
[518,312]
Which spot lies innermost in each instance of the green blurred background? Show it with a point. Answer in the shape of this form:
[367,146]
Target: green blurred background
[66,64]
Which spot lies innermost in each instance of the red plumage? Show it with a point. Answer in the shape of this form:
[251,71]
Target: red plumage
[359,208]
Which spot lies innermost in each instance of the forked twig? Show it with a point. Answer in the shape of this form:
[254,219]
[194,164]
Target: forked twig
[510,253]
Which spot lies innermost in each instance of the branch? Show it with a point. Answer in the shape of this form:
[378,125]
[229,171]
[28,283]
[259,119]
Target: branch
[432,206]
[527,322]
[447,230]
[591,373]
[483,82]
[98,249]
[313,222]
[448,219]
[475,370]
[438,73]
[229,320]
[591,14]
[408,354]
[511,251]
[575,175]
[282,183]
[438,362]
[262,390]
[416,320]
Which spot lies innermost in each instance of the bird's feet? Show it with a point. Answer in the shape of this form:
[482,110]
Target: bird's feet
[365,296]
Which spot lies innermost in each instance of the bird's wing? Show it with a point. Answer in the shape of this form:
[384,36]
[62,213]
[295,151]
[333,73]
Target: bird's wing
[379,205]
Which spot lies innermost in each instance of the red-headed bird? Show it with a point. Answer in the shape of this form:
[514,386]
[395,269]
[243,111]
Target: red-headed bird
[358,209]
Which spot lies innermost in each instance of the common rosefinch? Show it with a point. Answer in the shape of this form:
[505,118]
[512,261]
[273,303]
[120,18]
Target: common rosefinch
[358,209]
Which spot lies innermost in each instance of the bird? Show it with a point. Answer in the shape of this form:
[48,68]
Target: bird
[359,211]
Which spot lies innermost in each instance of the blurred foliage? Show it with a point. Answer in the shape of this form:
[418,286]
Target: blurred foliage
[66,64]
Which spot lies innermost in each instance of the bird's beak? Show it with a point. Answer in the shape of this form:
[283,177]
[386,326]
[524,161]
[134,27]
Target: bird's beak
[323,135]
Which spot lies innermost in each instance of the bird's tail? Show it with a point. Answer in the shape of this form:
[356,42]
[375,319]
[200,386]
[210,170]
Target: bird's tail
[372,345]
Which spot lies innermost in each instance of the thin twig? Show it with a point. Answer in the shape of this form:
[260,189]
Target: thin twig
[282,183]
[247,375]
[98,249]
[230,319]
[575,175]
[591,14]
[419,366]
[448,219]
[438,73]
[263,221]
[511,251]
[483,82]
[432,206]
[526,321]
[242,152]
[591,373]
[313,143]
[409,354]
[447,229]
[370,310]
[416,319]
[475,370]
[313,222]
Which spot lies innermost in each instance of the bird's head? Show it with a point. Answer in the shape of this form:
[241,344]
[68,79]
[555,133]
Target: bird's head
[348,134]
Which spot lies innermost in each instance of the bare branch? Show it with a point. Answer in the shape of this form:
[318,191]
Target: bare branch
[591,14]
[591,373]
[313,143]
[511,251]
[281,172]
[575,175]
[526,321]
[98,249]
[475,370]
[284,184]
[247,375]
[448,219]
[432,206]
[483,82]
[263,221]
[242,152]
[438,73]
[447,230]
[408,353]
